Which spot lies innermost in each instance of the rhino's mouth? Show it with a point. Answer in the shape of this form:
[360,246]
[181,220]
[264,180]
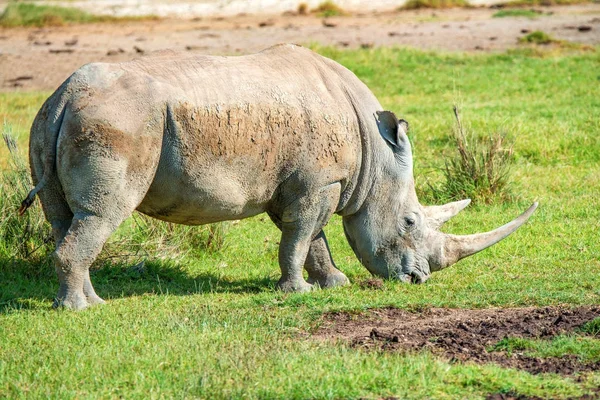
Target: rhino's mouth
[415,276]
[411,270]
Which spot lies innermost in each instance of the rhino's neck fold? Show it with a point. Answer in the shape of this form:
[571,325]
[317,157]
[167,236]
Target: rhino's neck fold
[374,153]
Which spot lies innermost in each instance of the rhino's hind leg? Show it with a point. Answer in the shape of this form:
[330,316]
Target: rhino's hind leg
[74,255]
[320,266]
[60,228]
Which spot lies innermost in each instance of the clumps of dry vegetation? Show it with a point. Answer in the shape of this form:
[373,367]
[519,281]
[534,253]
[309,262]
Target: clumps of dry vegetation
[28,14]
[479,167]
[329,9]
[302,9]
[435,4]
[20,237]
[532,3]
[537,39]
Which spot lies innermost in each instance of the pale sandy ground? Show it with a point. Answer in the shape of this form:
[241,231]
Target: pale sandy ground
[43,58]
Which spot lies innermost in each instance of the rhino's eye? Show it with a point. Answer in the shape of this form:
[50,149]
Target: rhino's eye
[409,221]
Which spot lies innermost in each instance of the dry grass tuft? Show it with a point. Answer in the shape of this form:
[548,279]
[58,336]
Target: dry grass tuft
[531,3]
[435,4]
[329,9]
[479,169]
[302,9]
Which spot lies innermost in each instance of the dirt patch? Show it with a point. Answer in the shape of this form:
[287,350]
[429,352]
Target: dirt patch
[50,55]
[595,394]
[464,335]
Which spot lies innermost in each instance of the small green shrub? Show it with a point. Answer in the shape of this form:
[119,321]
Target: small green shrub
[419,4]
[329,9]
[478,169]
[538,37]
[511,344]
[518,12]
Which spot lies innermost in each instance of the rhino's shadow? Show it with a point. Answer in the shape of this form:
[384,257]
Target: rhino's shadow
[33,285]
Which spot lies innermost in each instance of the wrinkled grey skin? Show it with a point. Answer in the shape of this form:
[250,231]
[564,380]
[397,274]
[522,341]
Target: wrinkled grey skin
[195,140]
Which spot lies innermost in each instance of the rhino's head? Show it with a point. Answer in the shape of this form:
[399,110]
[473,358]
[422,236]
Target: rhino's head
[393,235]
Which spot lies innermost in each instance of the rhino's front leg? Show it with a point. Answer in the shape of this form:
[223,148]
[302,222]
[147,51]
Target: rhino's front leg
[319,263]
[320,266]
[301,221]
[293,249]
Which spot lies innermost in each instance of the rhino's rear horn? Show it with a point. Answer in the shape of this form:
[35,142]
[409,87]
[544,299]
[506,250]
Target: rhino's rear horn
[457,247]
[439,215]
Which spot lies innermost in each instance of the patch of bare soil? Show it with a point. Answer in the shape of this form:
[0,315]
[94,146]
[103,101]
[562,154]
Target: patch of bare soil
[465,335]
[515,396]
[49,55]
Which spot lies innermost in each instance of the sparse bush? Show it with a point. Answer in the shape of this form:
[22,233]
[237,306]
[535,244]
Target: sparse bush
[419,4]
[479,169]
[329,9]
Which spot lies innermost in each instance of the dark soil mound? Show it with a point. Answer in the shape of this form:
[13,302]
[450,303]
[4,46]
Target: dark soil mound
[465,335]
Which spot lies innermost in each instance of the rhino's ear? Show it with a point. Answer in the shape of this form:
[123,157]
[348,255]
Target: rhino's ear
[392,129]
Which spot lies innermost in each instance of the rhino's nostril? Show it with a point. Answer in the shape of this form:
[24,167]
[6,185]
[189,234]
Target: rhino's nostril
[416,277]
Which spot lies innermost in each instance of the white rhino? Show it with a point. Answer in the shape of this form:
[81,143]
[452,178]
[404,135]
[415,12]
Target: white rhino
[200,139]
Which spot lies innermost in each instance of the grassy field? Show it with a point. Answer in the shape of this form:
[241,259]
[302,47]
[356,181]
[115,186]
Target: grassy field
[209,324]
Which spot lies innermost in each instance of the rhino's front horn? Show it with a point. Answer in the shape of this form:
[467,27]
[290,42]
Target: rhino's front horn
[439,215]
[455,247]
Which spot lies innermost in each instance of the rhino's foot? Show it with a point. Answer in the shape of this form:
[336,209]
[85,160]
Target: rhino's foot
[72,301]
[95,300]
[294,286]
[330,280]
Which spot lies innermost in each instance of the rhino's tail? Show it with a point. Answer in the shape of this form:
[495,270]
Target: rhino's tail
[44,131]
[25,204]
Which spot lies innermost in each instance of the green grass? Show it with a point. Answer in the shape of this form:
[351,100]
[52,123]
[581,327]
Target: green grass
[435,4]
[592,328]
[30,14]
[585,348]
[209,324]
[517,12]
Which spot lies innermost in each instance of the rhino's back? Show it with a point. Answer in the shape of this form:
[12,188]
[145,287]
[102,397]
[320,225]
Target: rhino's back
[247,132]
[238,133]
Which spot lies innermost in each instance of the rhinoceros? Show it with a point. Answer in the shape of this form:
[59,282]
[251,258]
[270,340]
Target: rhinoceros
[200,139]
